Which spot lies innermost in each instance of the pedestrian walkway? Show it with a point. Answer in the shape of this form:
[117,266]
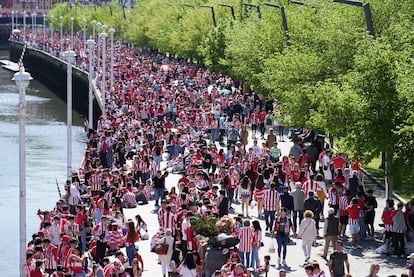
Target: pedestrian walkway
[360,259]
[158,104]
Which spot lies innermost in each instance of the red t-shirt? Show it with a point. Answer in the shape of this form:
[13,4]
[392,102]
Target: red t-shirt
[387,215]
[353,211]
[339,162]
[36,273]
[295,174]
[81,218]
[340,179]
[262,116]
[184,180]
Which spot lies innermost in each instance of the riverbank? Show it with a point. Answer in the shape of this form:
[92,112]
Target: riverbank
[52,72]
[158,113]
[45,159]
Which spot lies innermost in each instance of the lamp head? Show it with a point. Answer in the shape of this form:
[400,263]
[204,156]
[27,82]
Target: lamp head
[91,43]
[69,55]
[22,78]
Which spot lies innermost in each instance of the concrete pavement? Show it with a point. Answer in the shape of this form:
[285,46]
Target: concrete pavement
[360,259]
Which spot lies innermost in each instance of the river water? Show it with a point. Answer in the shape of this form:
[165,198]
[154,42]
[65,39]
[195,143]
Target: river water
[45,159]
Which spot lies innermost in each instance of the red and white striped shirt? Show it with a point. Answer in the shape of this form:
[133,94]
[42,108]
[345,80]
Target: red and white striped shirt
[110,270]
[271,200]
[115,239]
[333,196]
[310,185]
[191,240]
[154,169]
[254,118]
[96,182]
[251,156]
[66,259]
[129,200]
[142,166]
[256,238]
[75,264]
[71,229]
[100,229]
[343,205]
[233,181]
[50,253]
[259,193]
[353,214]
[245,236]
[167,221]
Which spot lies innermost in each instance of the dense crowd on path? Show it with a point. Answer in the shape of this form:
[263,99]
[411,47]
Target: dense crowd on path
[200,122]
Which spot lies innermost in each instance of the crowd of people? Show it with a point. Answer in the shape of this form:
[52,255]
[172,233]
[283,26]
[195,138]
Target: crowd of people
[200,123]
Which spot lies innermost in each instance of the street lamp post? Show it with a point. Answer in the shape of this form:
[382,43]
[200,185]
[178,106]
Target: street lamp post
[51,26]
[284,21]
[71,33]
[98,25]
[33,27]
[12,20]
[70,58]
[93,29]
[84,34]
[44,28]
[231,8]
[259,12]
[24,26]
[367,10]
[61,33]
[104,28]
[103,86]
[22,80]
[213,15]
[91,44]
[112,31]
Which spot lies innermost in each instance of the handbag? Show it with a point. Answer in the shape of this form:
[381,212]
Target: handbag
[144,235]
[162,249]
[272,248]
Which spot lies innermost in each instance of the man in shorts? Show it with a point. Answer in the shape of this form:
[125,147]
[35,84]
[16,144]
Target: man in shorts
[353,214]
[371,204]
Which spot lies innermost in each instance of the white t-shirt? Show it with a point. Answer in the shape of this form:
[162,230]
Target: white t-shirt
[184,226]
[185,272]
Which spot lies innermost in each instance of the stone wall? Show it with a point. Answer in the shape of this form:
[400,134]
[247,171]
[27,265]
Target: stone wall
[52,72]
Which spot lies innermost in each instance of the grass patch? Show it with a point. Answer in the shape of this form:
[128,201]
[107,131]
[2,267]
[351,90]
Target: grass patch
[374,170]
[403,188]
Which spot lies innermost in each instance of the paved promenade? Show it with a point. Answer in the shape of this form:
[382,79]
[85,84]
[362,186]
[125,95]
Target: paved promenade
[360,259]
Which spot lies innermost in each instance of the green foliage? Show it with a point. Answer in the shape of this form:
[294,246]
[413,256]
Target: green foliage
[333,76]
[205,227]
